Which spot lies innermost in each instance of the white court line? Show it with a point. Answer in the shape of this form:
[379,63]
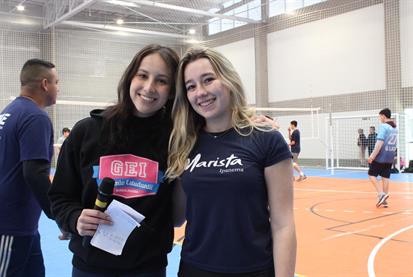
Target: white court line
[370,263]
[352,191]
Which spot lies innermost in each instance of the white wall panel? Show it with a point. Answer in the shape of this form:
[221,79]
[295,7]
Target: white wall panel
[337,55]
[242,56]
[406,42]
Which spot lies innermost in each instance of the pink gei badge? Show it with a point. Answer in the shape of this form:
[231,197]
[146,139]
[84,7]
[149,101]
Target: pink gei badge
[134,176]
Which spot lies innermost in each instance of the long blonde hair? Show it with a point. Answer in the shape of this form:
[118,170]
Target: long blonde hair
[187,123]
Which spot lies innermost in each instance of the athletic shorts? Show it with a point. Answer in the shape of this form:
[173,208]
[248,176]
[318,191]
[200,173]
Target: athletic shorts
[295,157]
[187,270]
[382,169]
[21,256]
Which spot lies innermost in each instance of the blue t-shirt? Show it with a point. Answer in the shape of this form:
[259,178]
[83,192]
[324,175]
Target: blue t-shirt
[388,134]
[228,228]
[26,133]
[295,136]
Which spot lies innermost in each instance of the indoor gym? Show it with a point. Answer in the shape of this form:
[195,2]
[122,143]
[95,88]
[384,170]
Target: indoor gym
[330,65]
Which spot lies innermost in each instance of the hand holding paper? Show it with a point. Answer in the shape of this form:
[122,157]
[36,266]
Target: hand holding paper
[112,238]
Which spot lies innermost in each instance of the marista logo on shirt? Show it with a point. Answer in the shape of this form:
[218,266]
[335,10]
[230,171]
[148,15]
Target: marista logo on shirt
[226,162]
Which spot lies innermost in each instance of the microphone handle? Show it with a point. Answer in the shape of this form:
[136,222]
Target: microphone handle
[86,241]
[100,205]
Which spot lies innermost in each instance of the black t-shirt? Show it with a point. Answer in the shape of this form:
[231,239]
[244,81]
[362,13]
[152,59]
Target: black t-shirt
[371,141]
[228,228]
[295,136]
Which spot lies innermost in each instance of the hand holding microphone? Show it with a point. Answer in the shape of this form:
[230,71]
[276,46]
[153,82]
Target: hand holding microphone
[89,219]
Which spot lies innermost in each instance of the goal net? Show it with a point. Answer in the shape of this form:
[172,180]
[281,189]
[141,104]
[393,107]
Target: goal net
[308,119]
[351,139]
[310,123]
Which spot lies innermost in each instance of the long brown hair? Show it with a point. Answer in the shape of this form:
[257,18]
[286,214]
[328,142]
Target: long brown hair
[116,116]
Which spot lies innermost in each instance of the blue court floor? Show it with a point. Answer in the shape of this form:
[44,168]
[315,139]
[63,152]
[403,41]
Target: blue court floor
[58,257]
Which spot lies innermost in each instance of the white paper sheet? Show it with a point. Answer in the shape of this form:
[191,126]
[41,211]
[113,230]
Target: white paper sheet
[112,238]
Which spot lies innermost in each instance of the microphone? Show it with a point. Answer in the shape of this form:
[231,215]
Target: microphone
[103,198]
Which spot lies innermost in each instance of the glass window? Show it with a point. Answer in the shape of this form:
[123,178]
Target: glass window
[214,26]
[291,5]
[255,13]
[312,2]
[241,11]
[277,7]
[250,10]
[254,4]
[282,6]
[227,24]
[228,3]
[239,23]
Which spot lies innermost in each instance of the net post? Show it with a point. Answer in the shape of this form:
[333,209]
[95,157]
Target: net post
[398,143]
[330,128]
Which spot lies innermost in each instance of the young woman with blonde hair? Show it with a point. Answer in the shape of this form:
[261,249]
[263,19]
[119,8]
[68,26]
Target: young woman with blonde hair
[231,171]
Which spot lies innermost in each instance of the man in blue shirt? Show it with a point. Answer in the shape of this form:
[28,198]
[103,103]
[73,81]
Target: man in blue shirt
[381,159]
[26,147]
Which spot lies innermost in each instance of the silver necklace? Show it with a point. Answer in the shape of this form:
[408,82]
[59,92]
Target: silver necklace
[218,134]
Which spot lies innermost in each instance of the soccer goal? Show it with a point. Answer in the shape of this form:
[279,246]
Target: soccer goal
[352,138]
[310,123]
[308,119]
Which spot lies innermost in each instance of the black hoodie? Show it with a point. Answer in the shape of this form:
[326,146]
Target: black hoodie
[74,189]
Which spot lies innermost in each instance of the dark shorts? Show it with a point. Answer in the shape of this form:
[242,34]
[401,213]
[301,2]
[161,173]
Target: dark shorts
[295,156]
[382,169]
[21,256]
[187,270]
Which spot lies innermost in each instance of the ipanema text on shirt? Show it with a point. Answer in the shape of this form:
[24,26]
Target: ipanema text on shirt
[134,176]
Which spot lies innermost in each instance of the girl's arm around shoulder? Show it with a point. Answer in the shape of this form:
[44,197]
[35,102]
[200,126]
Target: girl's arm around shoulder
[271,147]
[178,203]
[279,181]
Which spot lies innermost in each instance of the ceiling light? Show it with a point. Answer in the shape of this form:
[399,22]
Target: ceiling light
[192,41]
[180,8]
[213,10]
[119,21]
[123,29]
[120,33]
[122,3]
[291,12]
[20,8]
[191,31]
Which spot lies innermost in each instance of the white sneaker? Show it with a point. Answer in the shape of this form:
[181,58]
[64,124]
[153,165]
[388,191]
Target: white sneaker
[382,199]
